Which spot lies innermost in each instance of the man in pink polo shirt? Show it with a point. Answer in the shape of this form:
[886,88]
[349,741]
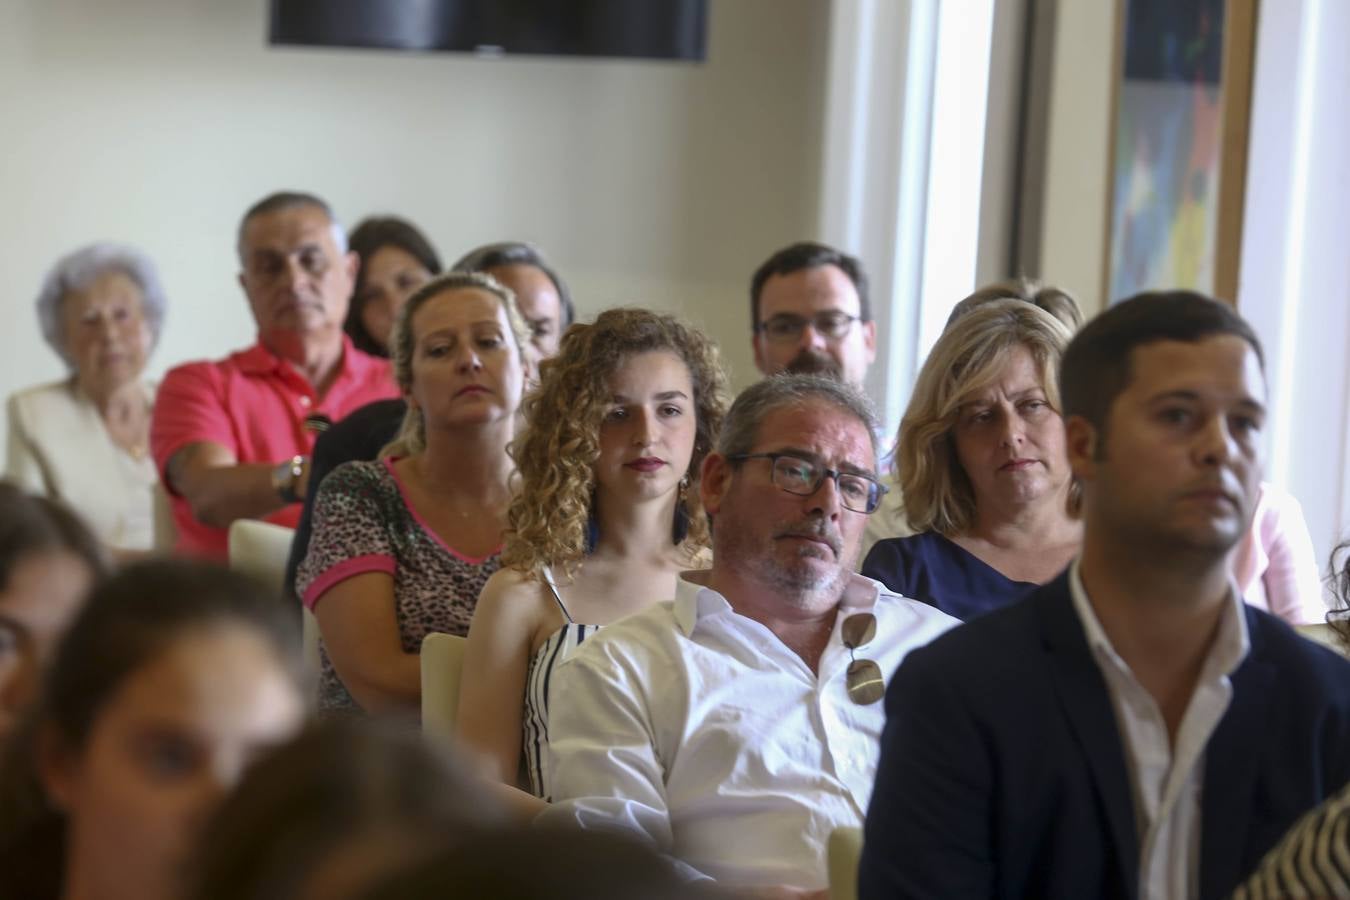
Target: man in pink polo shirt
[232,438]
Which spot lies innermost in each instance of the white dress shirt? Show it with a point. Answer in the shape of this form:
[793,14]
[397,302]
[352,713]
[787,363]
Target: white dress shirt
[699,729]
[1166,781]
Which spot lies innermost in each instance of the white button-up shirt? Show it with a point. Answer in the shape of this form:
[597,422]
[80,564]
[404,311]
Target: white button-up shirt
[699,729]
[1166,781]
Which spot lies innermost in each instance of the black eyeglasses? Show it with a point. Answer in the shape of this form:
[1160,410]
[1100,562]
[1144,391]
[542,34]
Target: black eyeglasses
[863,678]
[860,493]
[785,327]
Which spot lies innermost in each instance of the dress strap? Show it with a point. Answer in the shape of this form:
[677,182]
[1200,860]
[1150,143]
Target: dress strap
[553,589]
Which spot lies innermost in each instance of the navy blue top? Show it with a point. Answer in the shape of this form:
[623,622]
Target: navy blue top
[930,568]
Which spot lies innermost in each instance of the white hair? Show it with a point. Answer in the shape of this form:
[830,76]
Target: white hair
[78,270]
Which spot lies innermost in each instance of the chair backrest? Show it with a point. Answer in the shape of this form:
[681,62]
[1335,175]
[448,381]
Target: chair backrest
[1323,634]
[165,530]
[442,662]
[844,851]
[260,549]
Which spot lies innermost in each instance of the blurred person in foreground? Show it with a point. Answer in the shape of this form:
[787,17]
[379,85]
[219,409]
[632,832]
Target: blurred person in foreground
[49,561]
[173,677]
[332,810]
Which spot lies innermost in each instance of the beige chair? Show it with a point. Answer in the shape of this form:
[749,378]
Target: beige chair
[442,662]
[843,852]
[261,549]
[1322,634]
[166,532]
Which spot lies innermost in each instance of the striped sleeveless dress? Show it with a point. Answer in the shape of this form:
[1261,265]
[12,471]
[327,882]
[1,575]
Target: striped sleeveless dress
[538,677]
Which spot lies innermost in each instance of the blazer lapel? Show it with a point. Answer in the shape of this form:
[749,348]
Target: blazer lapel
[1087,705]
[1232,760]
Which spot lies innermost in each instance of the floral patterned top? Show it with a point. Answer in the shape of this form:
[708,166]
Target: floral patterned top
[363,523]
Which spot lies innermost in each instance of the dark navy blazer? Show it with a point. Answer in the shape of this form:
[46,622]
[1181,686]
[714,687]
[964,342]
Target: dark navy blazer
[1002,773]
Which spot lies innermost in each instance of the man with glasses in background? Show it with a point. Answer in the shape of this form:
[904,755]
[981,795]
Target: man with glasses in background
[736,726]
[811,314]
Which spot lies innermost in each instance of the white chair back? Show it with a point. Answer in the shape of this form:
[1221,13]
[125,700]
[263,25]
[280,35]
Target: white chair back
[442,663]
[261,549]
[161,514]
[844,851]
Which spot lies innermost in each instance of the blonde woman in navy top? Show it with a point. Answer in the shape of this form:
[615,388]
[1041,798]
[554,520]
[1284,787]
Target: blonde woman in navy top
[606,517]
[985,482]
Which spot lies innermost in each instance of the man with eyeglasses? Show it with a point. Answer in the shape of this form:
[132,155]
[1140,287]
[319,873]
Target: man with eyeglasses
[736,726]
[232,438]
[811,314]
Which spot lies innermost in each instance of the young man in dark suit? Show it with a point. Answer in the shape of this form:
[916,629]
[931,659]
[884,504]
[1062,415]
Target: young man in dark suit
[1132,729]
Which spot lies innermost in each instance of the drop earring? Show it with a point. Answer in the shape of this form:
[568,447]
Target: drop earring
[680,527]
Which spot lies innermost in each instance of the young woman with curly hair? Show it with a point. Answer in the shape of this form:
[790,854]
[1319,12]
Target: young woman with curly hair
[606,516]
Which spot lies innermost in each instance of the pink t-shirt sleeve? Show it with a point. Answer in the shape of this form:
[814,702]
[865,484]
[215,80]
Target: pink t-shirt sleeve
[351,532]
[1292,580]
[190,408]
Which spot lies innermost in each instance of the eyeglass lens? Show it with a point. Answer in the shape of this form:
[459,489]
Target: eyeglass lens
[831,324]
[798,476]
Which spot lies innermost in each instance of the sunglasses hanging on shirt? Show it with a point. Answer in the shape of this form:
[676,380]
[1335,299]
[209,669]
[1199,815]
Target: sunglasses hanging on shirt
[863,678]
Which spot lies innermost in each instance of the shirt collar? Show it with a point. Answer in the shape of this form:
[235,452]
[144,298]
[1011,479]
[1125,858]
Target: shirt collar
[1225,655]
[695,601]
[259,360]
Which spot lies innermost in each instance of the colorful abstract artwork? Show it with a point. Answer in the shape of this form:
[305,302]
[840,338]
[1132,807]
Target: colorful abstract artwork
[1168,135]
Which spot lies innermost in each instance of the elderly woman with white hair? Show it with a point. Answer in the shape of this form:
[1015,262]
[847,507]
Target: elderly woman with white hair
[85,438]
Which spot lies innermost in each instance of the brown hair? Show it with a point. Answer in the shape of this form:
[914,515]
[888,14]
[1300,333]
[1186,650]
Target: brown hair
[556,454]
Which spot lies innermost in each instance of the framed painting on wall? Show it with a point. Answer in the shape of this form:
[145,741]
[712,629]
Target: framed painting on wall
[1181,107]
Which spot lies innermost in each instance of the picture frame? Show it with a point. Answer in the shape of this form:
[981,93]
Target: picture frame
[1180,117]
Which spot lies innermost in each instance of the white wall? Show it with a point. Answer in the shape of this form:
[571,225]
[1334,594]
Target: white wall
[1294,282]
[157,122]
[1076,178]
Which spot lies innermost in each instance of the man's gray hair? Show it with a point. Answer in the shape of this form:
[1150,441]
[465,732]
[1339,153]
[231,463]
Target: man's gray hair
[78,270]
[740,428]
[283,200]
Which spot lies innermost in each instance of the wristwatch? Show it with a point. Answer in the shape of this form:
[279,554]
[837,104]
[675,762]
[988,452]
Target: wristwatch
[286,477]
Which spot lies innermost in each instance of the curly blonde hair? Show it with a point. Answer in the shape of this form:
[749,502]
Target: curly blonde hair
[412,434]
[555,456]
[967,358]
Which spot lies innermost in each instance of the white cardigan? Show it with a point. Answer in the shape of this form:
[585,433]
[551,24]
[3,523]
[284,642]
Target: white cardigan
[59,447]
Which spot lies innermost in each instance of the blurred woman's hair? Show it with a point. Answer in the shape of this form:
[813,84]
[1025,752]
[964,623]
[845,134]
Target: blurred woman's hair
[358,794]
[31,525]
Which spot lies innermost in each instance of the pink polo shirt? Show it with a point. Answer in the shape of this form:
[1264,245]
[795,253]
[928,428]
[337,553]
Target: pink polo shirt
[255,403]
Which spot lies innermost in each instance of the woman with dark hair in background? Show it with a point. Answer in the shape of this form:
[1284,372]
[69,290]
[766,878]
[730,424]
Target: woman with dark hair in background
[49,559]
[396,259]
[171,679]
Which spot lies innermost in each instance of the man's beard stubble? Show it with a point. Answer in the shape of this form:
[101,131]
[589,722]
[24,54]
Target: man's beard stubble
[814,362]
